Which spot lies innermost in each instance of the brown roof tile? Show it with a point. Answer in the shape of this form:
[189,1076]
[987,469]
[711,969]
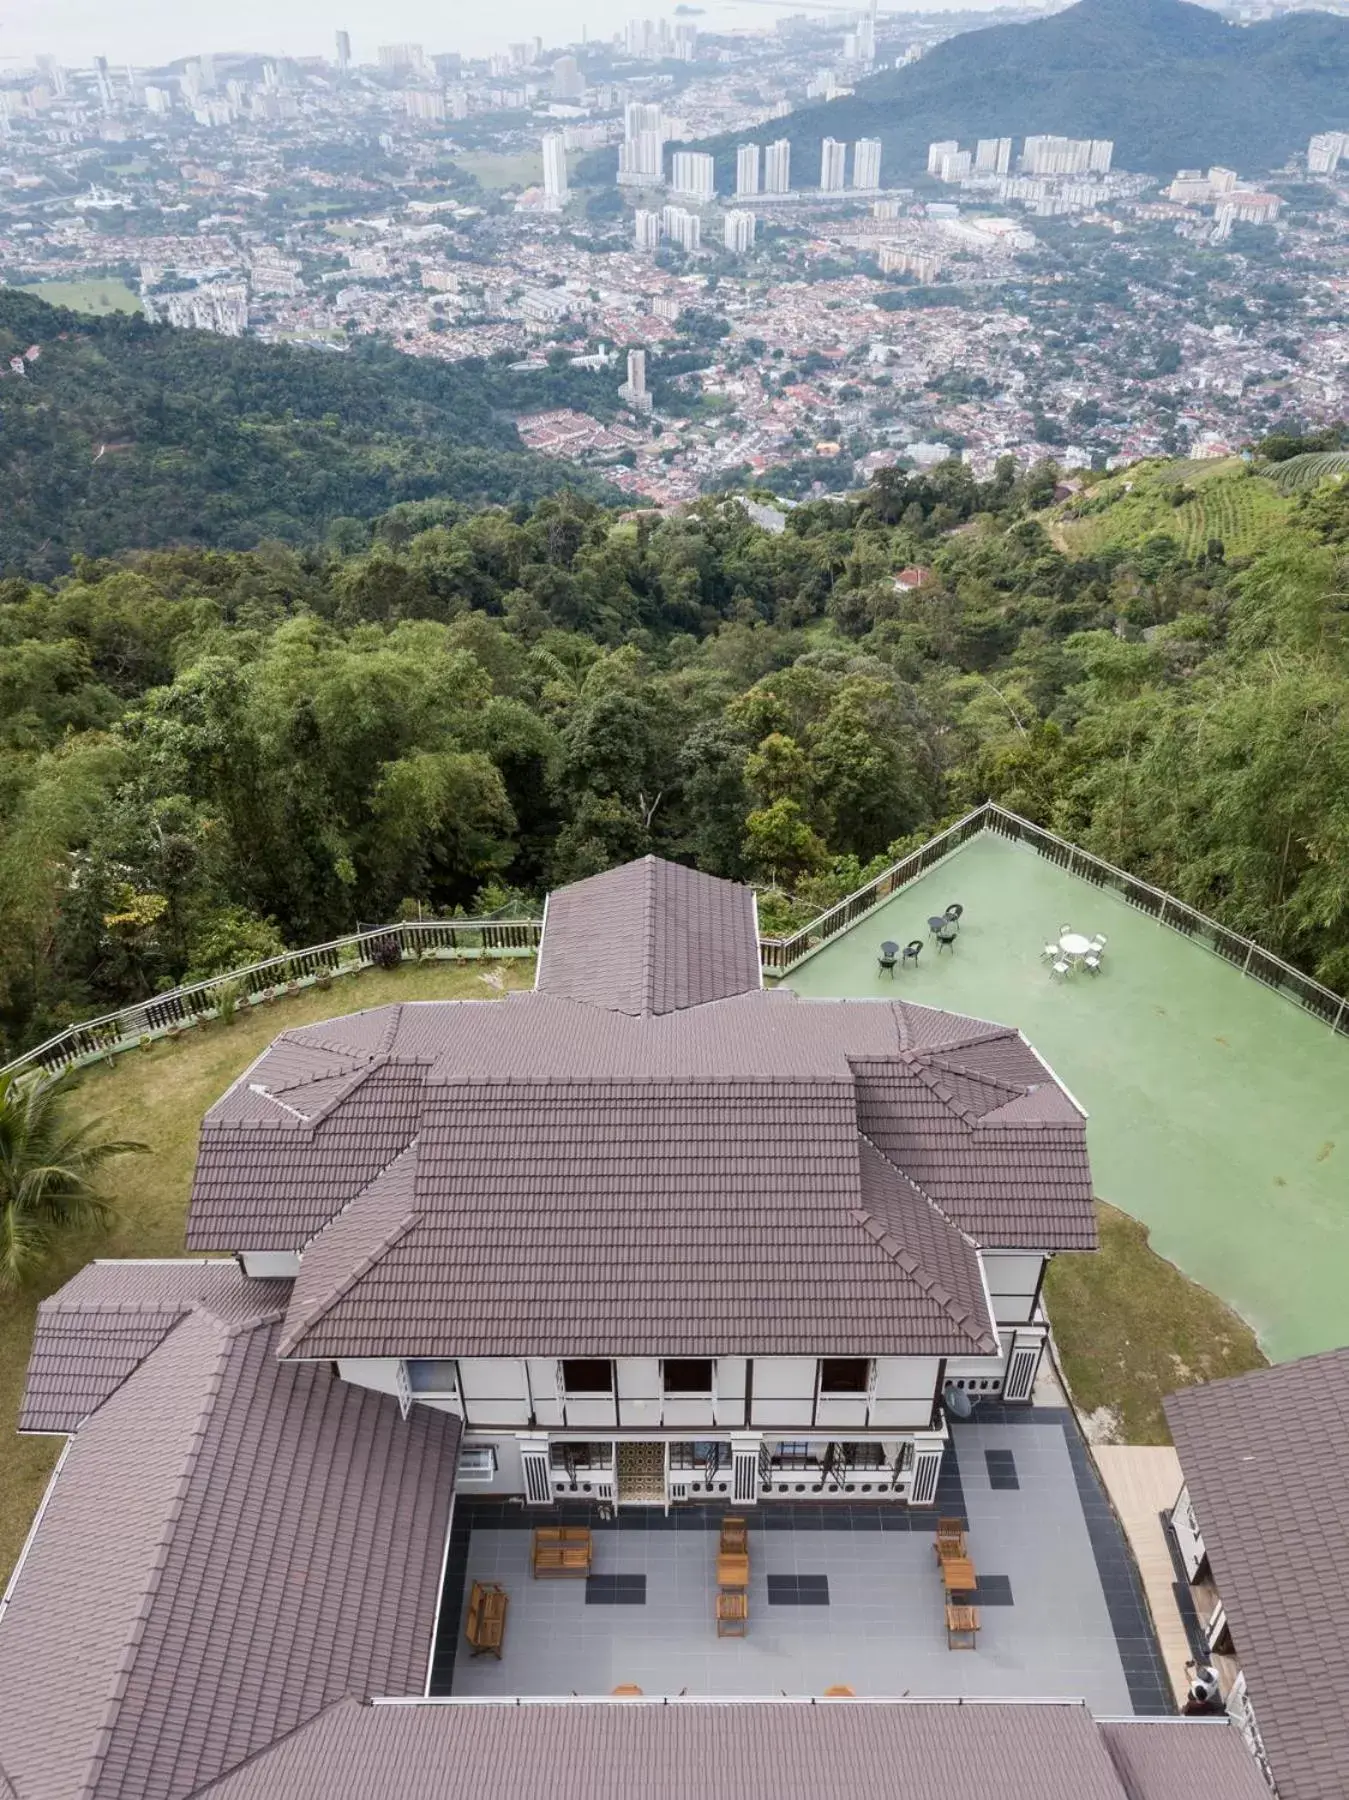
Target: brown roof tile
[103,1323]
[649,937]
[233,1543]
[1266,1458]
[757,1750]
[1183,1759]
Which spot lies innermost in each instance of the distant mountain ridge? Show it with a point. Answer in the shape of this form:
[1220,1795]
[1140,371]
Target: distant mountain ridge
[1173,85]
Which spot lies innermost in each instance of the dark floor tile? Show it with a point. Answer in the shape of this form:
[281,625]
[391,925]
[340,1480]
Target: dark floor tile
[615,1590]
[798,1590]
[993,1590]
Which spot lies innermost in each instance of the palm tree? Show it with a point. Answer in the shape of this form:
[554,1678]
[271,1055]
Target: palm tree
[48,1171]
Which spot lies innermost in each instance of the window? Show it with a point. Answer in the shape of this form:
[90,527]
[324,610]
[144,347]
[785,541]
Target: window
[587,1375]
[568,1455]
[688,1376]
[845,1376]
[864,1456]
[477,1462]
[699,1454]
[798,1456]
[433,1377]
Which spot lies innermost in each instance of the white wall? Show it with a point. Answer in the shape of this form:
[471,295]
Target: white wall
[783,1391]
[1013,1278]
[494,1390]
[639,1391]
[270,1265]
[905,1389]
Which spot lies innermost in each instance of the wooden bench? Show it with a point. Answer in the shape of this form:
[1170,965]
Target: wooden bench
[561,1550]
[485,1627]
[734,1537]
[962,1627]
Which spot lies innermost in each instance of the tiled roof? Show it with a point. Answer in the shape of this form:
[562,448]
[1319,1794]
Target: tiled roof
[105,1321]
[1183,1759]
[756,1750]
[1266,1459]
[649,937]
[641,1218]
[232,1544]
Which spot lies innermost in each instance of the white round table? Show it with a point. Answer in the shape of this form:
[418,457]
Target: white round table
[1072,943]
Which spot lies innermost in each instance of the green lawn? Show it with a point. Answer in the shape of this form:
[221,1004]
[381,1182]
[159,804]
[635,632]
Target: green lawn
[1130,1328]
[157,1097]
[87,296]
[498,170]
[1217,1107]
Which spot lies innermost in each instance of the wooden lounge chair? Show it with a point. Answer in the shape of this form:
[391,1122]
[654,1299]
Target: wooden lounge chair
[732,1612]
[950,1538]
[561,1550]
[840,1693]
[962,1627]
[735,1536]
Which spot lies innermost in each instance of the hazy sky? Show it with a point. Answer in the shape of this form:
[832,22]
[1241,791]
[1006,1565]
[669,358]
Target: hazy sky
[152,31]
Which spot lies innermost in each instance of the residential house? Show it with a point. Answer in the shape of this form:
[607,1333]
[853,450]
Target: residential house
[651,1232]
[1260,1528]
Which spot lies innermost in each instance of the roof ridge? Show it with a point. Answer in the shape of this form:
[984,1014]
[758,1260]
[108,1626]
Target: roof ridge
[1014,1090]
[650,874]
[919,1274]
[174,1512]
[921,1192]
[291,1339]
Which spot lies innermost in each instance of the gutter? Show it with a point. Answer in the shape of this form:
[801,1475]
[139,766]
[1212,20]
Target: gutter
[29,1541]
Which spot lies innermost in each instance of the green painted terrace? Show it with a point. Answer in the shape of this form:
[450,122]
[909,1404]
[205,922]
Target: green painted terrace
[1219,1109]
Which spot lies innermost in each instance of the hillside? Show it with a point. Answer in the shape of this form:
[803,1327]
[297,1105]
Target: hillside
[1195,504]
[1173,85]
[122,435]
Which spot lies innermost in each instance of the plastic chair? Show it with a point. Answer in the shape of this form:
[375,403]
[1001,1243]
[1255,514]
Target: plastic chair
[886,959]
[1065,931]
[1062,969]
[1098,943]
[1050,953]
[955,914]
[912,951]
[1091,963]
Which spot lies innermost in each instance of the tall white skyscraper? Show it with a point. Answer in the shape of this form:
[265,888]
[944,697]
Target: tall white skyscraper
[747,169]
[343,51]
[646,230]
[555,169]
[641,155]
[568,81]
[833,165]
[633,389]
[866,164]
[993,156]
[1101,156]
[778,167]
[935,153]
[695,174]
[739,232]
[683,228]
[158,100]
[685,42]
[1326,151]
[864,39]
[640,115]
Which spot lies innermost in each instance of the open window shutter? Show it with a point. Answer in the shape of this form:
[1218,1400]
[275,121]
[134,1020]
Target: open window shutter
[404,1388]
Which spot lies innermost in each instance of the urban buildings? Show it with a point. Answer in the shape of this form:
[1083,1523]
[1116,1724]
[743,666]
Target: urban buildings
[641,155]
[937,154]
[683,229]
[424,103]
[694,175]
[739,235]
[747,175]
[778,167]
[633,390]
[343,52]
[646,230]
[866,164]
[1066,156]
[568,81]
[992,156]
[1326,151]
[555,169]
[833,166]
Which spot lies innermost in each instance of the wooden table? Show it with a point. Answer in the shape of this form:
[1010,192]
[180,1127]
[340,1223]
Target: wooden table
[959,1575]
[732,1613]
[732,1569]
[485,1627]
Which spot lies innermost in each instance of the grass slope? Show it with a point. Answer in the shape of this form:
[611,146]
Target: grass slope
[1192,502]
[97,297]
[1173,85]
[158,1098]
[1130,1328]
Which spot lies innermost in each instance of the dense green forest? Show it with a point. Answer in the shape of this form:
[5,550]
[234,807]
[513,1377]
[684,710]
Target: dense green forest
[121,435]
[207,755]
[1174,85]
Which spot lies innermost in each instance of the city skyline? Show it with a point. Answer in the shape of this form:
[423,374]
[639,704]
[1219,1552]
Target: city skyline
[151,34]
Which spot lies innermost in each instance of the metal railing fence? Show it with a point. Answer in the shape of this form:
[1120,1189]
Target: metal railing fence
[167,1014]
[781,955]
